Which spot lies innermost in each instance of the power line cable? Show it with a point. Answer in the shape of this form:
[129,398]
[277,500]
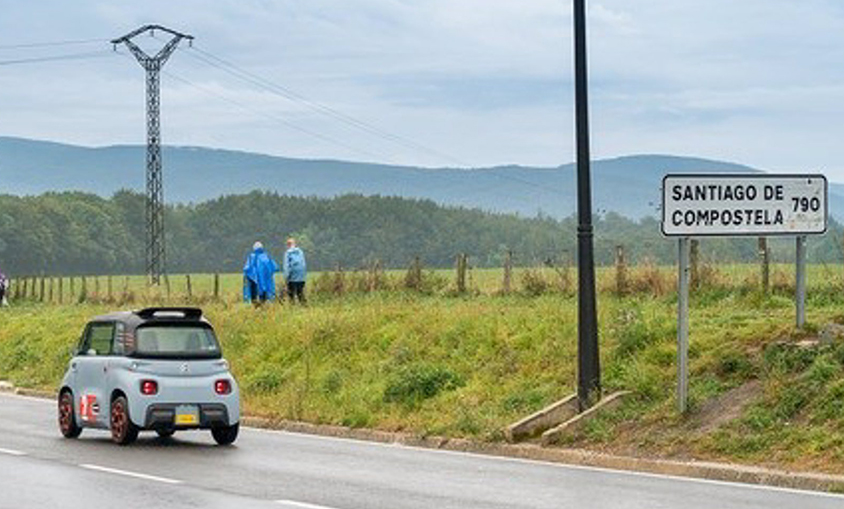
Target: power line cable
[287,123]
[270,116]
[265,84]
[56,58]
[291,95]
[34,45]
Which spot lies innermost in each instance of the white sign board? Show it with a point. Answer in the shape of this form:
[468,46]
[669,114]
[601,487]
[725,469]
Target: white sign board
[699,205]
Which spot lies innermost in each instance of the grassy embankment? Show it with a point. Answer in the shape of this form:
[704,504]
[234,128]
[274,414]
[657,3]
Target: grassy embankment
[469,365]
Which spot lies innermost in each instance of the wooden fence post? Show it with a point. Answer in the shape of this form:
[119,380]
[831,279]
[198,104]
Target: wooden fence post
[61,290]
[50,294]
[373,277]
[25,280]
[413,280]
[72,289]
[694,256]
[83,292]
[620,271]
[167,285]
[339,283]
[506,285]
[765,259]
[109,287]
[97,286]
[41,289]
[461,273]
[216,286]
[188,286]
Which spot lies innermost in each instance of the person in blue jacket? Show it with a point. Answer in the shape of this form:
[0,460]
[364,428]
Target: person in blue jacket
[295,271]
[259,275]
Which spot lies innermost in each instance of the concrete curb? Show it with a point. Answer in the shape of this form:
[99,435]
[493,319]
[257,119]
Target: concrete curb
[577,457]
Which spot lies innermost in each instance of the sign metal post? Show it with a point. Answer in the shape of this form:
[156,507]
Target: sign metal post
[800,281]
[683,325]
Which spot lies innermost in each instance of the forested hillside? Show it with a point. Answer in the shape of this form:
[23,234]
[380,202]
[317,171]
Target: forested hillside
[75,233]
[196,174]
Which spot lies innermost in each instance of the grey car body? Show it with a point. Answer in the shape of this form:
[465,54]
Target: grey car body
[155,369]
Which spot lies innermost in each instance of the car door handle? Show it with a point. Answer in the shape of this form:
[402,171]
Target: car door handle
[73,366]
[105,369]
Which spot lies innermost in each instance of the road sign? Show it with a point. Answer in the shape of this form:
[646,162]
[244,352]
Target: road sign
[726,205]
[696,205]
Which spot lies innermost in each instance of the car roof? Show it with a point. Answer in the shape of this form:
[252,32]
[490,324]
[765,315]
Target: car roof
[169,315]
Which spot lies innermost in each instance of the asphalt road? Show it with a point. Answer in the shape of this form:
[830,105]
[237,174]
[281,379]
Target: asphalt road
[39,468]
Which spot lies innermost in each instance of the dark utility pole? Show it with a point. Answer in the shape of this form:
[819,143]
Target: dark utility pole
[588,361]
[155,258]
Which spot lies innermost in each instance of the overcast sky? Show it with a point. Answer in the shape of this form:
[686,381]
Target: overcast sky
[443,82]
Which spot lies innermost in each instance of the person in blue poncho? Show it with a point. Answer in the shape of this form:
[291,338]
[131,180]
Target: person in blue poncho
[295,271]
[259,275]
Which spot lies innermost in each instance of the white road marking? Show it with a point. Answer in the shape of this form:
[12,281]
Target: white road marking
[303,505]
[12,452]
[127,473]
[564,466]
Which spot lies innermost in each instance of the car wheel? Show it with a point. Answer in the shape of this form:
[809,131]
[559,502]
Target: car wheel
[225,435]
[165,432]
[123,432]
[67,417]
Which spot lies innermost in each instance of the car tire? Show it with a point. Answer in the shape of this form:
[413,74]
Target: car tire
[123,432]
[225,435]
[165,432]
[67,416]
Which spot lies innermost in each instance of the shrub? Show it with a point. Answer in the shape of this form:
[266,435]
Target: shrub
[534,282]
[648,279]
[415,383]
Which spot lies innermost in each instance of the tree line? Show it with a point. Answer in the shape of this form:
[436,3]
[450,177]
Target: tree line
[80,233]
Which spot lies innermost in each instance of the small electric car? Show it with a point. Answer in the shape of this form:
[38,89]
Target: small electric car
[155,369]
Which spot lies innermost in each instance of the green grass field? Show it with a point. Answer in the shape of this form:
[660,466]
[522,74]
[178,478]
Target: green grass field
[438,363]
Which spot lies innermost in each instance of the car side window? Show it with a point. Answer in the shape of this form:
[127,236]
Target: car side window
[82,347]
[100,337]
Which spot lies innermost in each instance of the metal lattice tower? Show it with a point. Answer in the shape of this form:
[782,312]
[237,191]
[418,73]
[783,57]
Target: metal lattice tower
[155,252]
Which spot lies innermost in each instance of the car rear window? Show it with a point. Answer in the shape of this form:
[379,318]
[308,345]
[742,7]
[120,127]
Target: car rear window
[177,341]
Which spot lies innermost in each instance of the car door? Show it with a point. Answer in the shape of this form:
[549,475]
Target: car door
[92,394]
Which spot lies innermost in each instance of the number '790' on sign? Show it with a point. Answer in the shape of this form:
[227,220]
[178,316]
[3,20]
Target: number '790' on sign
[730,204]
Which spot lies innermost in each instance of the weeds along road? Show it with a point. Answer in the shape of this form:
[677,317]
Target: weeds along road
[39,468]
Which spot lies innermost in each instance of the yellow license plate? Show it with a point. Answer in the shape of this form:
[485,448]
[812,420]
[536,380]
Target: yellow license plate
[187,415]
[186,419]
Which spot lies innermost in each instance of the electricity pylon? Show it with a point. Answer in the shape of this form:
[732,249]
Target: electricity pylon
[155,252]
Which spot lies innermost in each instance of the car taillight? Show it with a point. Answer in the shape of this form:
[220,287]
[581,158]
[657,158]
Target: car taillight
[149,387]
[222,387]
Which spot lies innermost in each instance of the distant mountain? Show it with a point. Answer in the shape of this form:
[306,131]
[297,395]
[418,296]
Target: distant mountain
[627,185]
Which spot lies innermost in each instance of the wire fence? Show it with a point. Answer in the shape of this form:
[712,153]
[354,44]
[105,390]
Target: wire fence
[549,276]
